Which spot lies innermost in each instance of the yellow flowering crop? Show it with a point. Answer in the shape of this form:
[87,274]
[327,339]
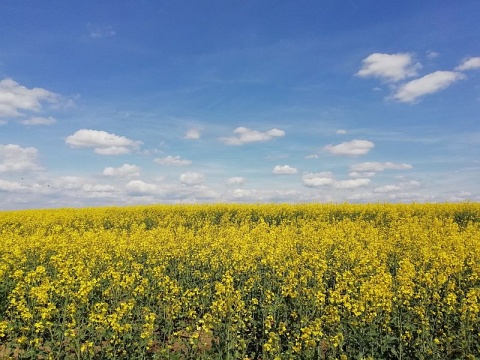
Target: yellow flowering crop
[221,281]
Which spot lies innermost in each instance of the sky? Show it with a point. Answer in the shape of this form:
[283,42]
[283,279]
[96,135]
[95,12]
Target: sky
[243,101]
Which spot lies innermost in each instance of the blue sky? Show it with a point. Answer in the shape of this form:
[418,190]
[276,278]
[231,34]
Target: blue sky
[131,102]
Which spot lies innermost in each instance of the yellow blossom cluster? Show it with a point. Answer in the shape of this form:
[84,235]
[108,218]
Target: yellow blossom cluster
[377,281]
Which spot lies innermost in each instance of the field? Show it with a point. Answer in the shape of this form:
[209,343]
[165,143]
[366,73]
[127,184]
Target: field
[374,281]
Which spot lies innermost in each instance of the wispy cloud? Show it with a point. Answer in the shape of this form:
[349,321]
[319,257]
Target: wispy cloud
[374,167]
[173,160]
[33,121]
[192,134]
[102,142]
[98,32]
[243,135]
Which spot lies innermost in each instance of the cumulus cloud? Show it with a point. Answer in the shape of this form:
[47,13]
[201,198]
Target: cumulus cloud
[14,158]
[140,187]
[39,121]
[389,67]
[341,132]
[192,178]
[284,170]
[350,148]
[243,135]
[192,134]
[236,180]
[326,179]
[469,64]
[103,142]
[244,193]
[16,98]
[173,160]
[126,170]
[318,179]
[312,156]
[428,84]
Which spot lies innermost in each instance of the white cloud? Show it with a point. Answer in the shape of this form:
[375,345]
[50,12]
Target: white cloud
[25,188]
[351,184]
[312,156]
[15,98]
[374,167]
[236,180]
[192,134]
[469,64]
[408,197]
[80,188]
[273,195]
[428,84]
[192,178]
[387,188]
[98,188]
[243,135]
[318,179]
[103,143]
[39,121]
[243,193]
[326,179]
[11,186]
[432,54]
[140,187]
[350,148]
[341,132]
[367,196]
[171,192]
[173,160]
[357,174]
[389,67]
[69,182]
[397,187]
[112,150]
[126,170]
[284,170]
[16,158]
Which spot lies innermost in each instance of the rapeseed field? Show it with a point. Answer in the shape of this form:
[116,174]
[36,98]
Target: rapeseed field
[376,281]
